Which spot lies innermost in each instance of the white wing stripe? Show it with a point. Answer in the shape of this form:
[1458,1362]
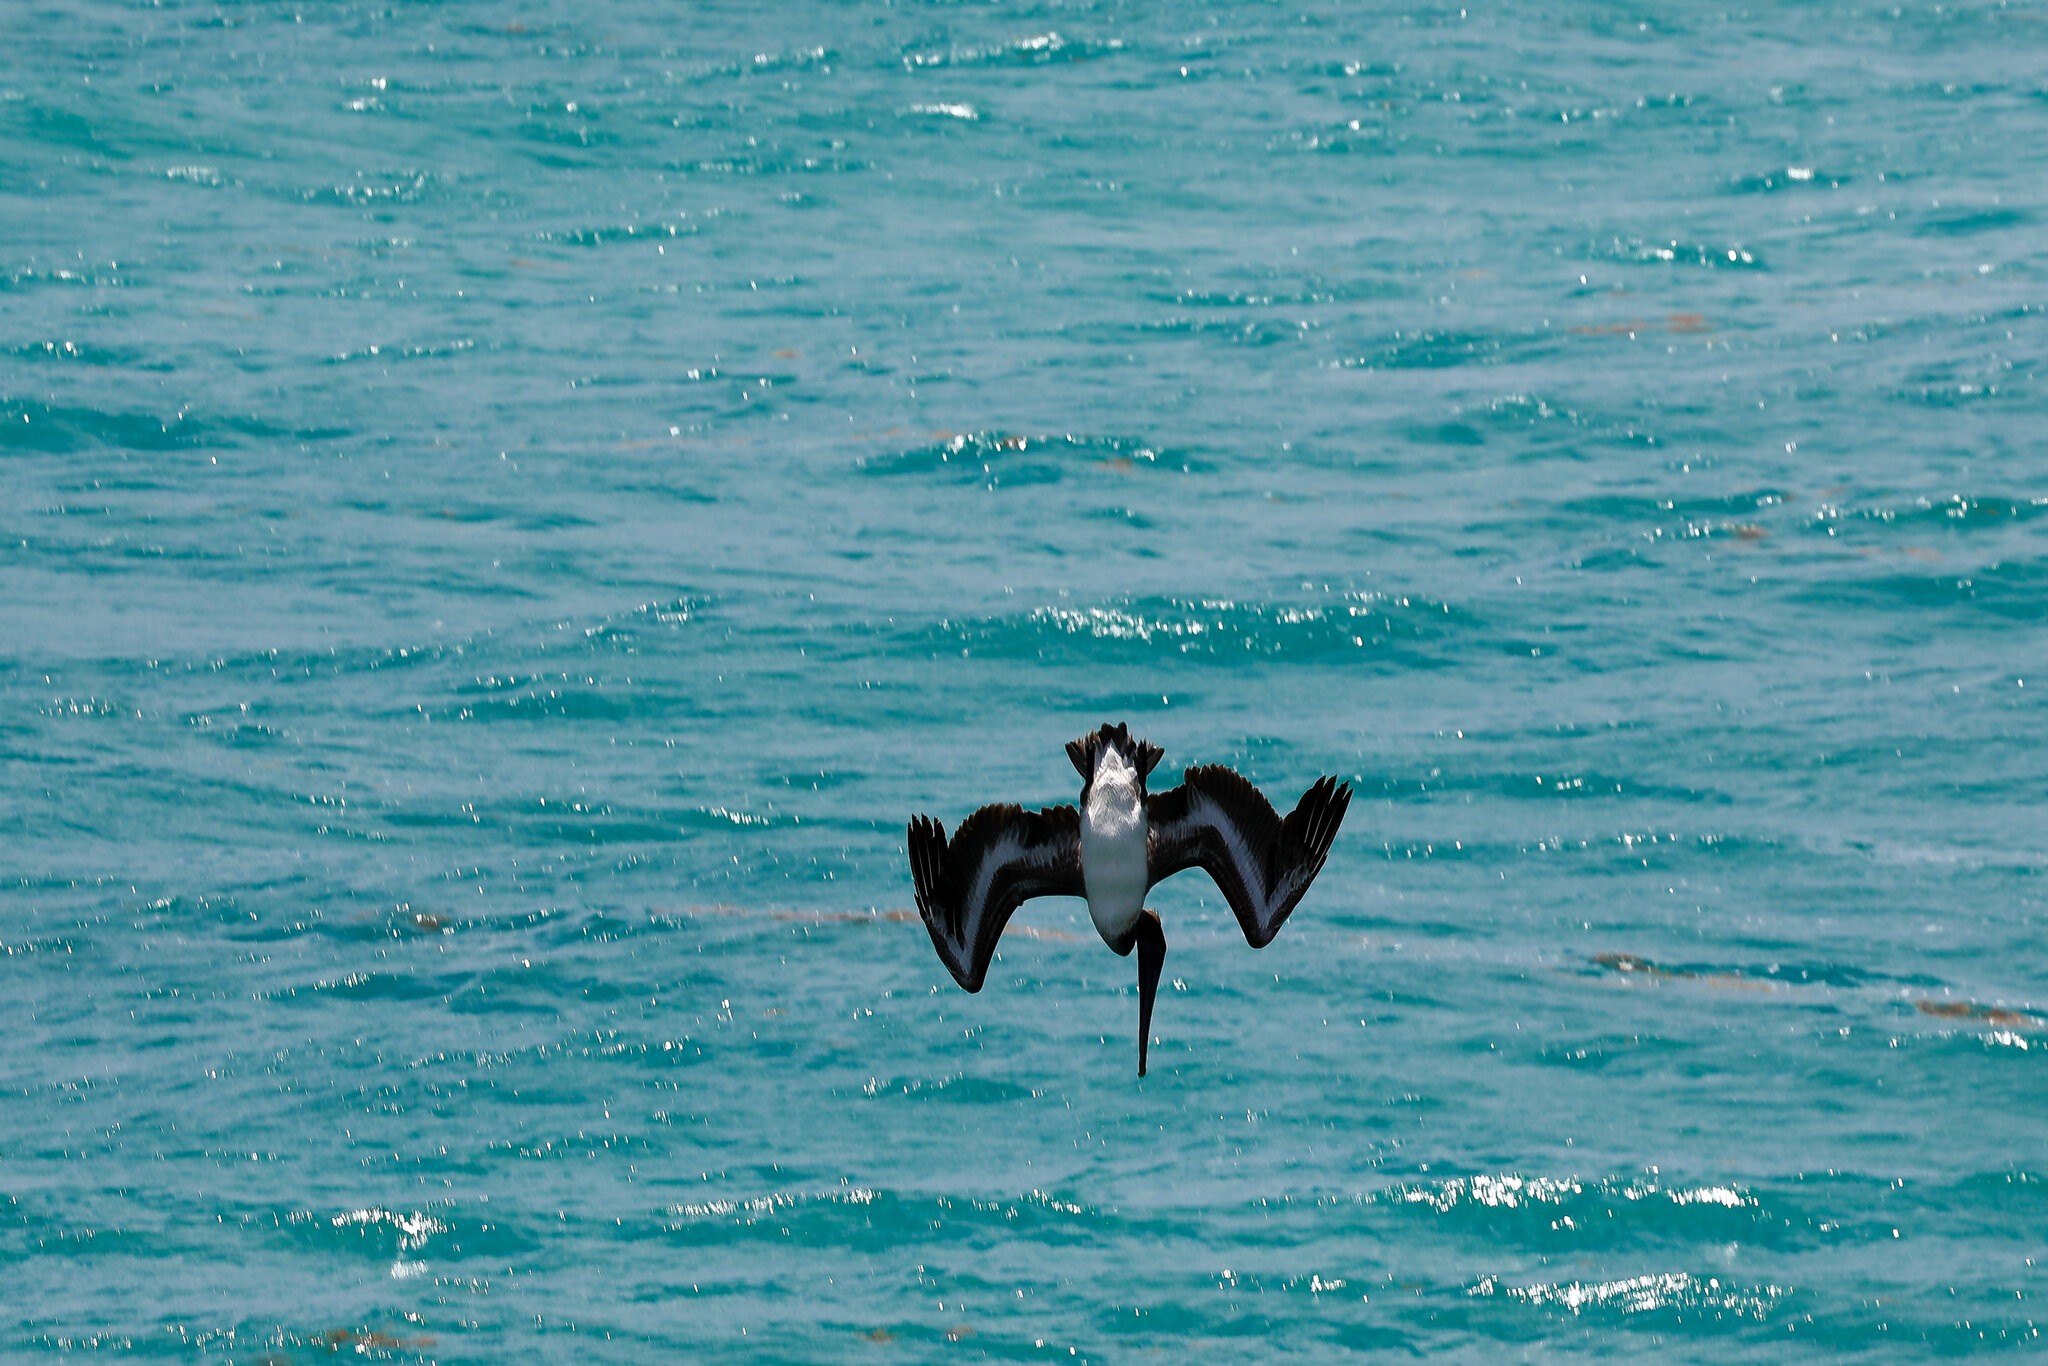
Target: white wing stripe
[993,860]
[1248,871]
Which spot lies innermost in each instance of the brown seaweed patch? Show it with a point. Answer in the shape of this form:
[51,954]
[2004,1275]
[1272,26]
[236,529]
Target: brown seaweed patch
[1682,323]
[1629,965]
[1976,1014]
[844,917]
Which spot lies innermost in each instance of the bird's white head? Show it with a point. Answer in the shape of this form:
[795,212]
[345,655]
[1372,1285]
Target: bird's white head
[1115,775]
[1112,755]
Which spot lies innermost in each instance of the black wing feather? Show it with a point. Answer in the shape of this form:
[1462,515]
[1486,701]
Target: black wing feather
[1218,822]
[969,886]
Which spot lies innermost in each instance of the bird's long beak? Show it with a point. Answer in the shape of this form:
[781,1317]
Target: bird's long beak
[1151,957]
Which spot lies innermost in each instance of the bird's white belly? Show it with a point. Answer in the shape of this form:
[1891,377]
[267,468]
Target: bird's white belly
[1113,867]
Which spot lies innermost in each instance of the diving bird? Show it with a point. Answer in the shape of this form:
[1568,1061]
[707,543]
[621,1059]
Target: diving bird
[1113,849]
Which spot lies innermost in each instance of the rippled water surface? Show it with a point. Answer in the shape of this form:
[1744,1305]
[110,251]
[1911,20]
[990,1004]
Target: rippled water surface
[506,510]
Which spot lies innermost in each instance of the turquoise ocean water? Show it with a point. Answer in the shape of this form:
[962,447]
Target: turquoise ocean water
[507,508]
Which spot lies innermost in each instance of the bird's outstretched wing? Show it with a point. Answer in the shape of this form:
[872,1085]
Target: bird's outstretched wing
[1218,822]
[1000,857]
